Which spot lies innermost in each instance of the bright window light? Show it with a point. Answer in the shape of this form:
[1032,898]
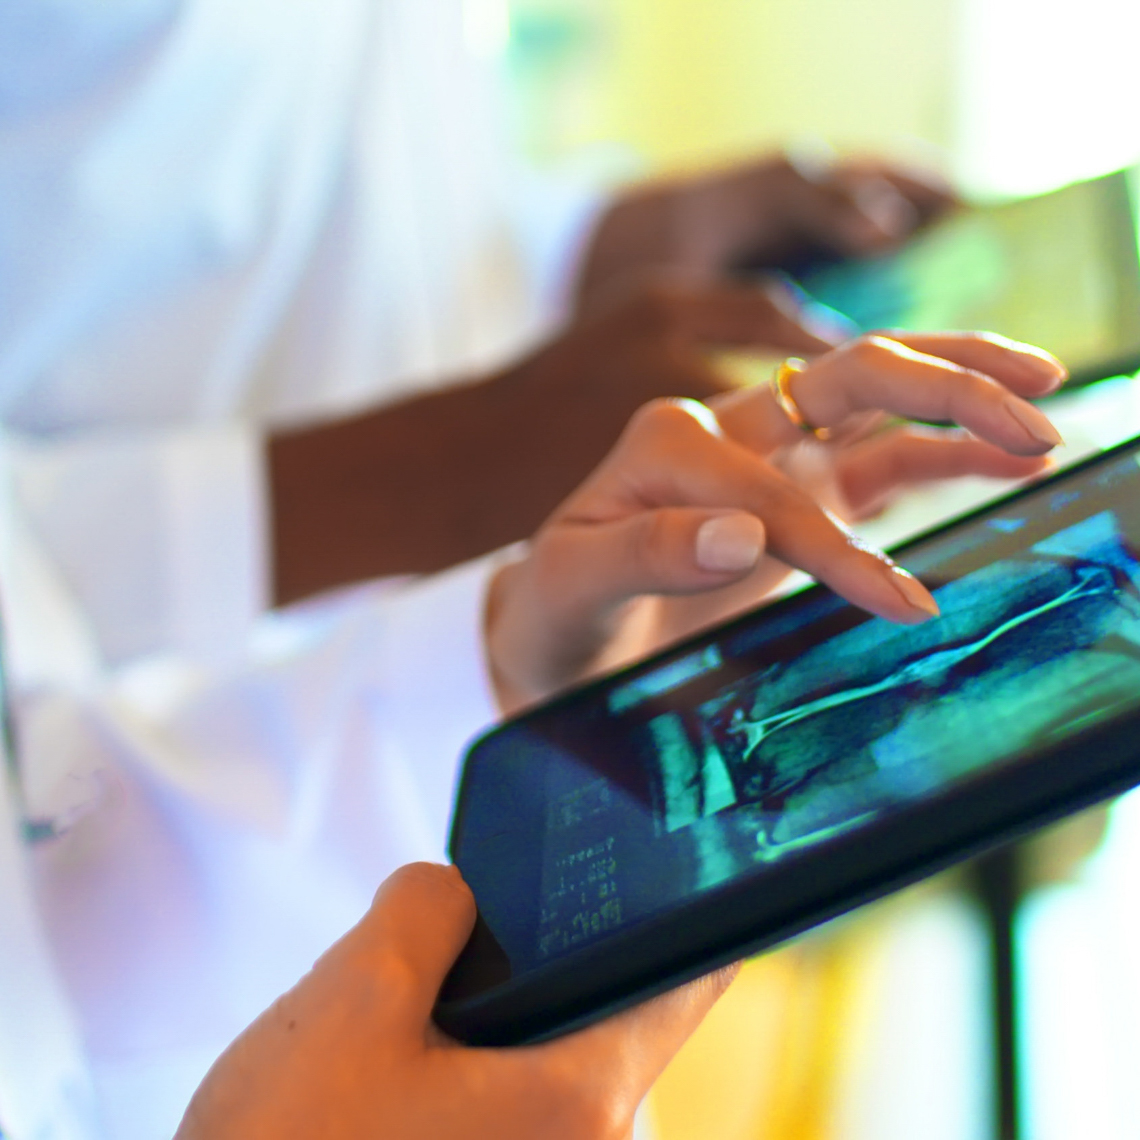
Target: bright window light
[487,26]
[1048,92]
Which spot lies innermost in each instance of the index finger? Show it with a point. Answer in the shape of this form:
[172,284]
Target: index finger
[673,456]
[803,534]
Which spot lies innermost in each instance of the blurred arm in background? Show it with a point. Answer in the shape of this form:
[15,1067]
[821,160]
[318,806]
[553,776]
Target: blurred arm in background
[290,231]
[655,293]
[772,214]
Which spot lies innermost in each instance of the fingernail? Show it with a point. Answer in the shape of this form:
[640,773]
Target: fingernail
[730,543]
[913,591]
[1044,365]
[1033,422]
[1031,361]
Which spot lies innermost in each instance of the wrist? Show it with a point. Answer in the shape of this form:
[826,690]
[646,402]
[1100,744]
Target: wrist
[509,695]
[531,654]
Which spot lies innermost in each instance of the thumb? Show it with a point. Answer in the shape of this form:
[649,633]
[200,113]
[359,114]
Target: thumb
[419,921]
[582,574]
[671,550]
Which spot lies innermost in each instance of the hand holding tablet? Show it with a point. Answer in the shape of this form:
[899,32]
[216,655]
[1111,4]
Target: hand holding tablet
[807,757]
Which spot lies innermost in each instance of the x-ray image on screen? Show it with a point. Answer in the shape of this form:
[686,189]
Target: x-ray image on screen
[803,749]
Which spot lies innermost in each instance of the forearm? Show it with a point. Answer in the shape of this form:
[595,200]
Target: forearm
[421,485]
[436,480]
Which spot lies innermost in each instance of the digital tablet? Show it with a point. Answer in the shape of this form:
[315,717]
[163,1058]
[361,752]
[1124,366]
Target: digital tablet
[1060,270]
[801,760]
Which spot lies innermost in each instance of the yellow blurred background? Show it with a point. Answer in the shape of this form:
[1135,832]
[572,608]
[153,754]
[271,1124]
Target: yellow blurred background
[1005,95]
[681,83]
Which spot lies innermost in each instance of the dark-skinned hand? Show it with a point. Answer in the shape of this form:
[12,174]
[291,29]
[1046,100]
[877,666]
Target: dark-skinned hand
[424,484]
[771,214]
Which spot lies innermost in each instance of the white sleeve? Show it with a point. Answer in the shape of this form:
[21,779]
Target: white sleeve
[220,828]
[159,535]
[159,539]
[341,730]
[434,675]
[554,220]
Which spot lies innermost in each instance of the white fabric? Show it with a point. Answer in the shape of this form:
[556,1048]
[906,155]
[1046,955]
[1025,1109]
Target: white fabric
[217,215]
[266,208]
[224,829]
[158,534]
[45,1090]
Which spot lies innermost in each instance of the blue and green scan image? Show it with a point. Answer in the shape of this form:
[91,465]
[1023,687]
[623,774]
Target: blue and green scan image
[1027,649]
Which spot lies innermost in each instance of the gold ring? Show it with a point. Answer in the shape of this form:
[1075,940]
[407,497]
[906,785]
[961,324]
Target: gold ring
[782,391]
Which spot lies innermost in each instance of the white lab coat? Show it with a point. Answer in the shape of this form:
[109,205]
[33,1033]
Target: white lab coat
[218,215]
[214,216]
[223,828]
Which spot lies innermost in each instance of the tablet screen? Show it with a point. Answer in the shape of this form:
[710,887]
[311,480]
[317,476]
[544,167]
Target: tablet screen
[811,720]
[1060,270]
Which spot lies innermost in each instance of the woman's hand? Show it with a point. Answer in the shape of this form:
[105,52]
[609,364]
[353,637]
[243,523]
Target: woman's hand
[701,509]
[351,1052]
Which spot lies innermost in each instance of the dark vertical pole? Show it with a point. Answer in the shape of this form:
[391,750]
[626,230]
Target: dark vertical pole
[996,883]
